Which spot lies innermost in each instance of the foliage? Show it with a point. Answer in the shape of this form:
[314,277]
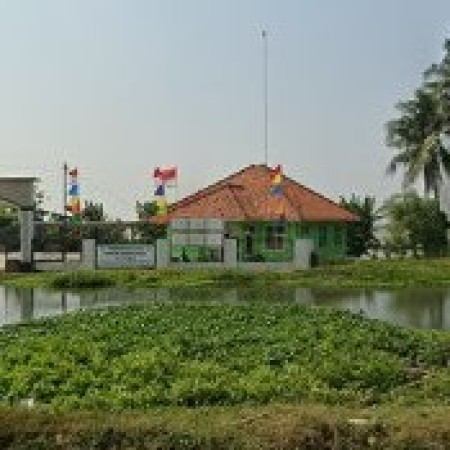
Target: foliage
[80,280]
[193,354]
[360,235]
[149,232]
[9,227]
[364,274]
[415,223]
[93,212]
[418,133]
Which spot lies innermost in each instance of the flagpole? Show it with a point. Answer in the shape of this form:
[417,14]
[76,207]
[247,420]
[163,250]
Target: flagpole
[65,171]
[266,102]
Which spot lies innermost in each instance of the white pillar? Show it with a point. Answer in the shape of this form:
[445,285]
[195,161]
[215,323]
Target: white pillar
[26,235]
[88,254]
[230,253]
[302,253]
[162,253]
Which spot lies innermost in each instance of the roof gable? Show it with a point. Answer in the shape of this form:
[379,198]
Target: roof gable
[245,195]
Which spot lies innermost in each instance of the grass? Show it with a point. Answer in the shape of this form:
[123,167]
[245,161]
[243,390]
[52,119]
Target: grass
[363,274]
[276,426]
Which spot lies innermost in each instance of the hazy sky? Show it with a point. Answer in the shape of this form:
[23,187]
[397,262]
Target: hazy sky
[117,87]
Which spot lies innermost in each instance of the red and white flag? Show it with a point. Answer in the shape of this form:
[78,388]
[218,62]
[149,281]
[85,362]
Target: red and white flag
[163,175]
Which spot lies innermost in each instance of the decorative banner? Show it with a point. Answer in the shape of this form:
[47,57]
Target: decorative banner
[74,190]
[74,202]
[276,181]
[163,177]
[160,191]
[161,207]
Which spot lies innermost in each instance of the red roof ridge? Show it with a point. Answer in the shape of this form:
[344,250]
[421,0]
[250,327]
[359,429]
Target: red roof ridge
[209,189]
[321,196]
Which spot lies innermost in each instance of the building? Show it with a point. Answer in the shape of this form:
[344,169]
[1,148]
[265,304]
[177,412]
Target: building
[265,226]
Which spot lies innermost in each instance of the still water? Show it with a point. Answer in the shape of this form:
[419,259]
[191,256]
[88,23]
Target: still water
[412,307]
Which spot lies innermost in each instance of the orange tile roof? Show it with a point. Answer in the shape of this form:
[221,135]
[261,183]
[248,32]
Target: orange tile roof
[245,195]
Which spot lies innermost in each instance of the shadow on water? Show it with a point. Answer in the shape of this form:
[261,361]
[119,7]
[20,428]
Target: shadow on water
[412,307]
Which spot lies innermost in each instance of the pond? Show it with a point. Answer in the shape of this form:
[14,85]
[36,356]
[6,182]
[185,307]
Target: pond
[411,307]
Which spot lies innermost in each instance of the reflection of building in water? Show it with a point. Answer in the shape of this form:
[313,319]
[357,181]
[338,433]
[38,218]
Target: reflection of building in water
[16,305]
[304,296]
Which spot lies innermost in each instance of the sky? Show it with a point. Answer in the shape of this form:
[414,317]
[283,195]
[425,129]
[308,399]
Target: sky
[118,87]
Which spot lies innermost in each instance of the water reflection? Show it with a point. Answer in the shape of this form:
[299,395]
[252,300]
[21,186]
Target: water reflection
[418,307]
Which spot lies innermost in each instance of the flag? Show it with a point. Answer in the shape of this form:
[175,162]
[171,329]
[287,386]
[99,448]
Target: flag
[74,190]
[160,190]
[76,219]
[167,174]
[276,181]
[274,171]
[75,206]
[276,190]
[161,205]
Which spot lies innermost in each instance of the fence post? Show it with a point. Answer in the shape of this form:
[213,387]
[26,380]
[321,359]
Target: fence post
[89,254]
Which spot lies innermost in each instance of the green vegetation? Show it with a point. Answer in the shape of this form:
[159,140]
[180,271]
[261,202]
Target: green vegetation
[415,223]
[370,274]
[361,234]
[194,354]
[284,427]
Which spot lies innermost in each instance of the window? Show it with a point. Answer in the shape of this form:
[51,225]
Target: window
[322,235]
[337,236]
[304,230]
[276,236]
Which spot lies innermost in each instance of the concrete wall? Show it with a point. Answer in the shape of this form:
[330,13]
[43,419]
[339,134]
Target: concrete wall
[18,191]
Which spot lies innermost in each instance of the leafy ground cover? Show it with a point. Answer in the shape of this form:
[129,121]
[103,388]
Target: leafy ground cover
[201,354]
[380,273]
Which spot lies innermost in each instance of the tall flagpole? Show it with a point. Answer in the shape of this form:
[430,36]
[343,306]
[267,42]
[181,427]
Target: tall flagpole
[266,102]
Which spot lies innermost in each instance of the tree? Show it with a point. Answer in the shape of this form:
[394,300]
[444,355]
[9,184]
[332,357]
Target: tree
[149,232]
[93,212]
[415,223]
[437,79]
[9,227]
[418,133]
[361,234]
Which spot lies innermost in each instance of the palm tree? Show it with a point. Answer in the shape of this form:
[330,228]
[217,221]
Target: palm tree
[417,134]
[437,78]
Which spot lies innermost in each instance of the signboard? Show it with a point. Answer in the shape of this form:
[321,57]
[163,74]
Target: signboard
[197,232]
[125,255]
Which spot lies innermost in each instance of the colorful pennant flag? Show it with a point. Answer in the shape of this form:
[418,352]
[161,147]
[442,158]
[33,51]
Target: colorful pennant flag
[74,201]
[164,178]
[276,181]
[160,190]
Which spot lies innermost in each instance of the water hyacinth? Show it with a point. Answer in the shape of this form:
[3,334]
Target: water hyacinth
[199,353]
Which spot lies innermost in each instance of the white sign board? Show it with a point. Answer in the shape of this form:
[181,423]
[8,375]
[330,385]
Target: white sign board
[125,255]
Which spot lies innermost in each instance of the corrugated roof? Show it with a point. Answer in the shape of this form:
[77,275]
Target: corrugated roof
[245,195]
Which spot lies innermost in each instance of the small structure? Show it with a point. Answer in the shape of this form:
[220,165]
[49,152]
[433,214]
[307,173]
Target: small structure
[265,227]
[20,191]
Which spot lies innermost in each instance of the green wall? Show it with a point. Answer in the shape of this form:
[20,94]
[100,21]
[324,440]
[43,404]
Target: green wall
[254,240]
[329,239]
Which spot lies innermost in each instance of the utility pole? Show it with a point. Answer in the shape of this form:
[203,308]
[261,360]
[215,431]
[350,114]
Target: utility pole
[266,102]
